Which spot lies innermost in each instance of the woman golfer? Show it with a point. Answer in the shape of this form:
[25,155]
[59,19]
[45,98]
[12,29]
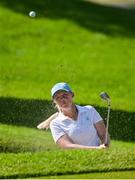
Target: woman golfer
[74,126]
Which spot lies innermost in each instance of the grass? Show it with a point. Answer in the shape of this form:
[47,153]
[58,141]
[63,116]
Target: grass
[21,139]
[28,152]
[101,175]
[91,47]
[77,42]
[30,112]
[58,162]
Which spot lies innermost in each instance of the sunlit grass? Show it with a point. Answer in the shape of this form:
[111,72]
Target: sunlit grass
[89,46]
[21,139]
[35,154]
[65,162]
[39,52]
[99,175]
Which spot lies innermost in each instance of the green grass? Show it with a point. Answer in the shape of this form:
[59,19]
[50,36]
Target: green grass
[29,152]
[65,162]
[30,112]
[101,175]
[22,139]
[85,44]
[76,41]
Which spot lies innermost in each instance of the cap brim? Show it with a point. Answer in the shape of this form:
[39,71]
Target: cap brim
[60,90]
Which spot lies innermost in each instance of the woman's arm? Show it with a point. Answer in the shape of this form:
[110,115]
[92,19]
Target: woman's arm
[66,143]
[101,130]
[45,124]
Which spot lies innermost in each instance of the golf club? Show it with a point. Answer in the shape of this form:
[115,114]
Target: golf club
[106,97]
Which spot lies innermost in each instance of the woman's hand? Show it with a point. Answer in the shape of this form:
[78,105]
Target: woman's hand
[101,130]
[102,146]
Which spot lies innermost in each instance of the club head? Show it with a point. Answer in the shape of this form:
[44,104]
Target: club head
[104,96]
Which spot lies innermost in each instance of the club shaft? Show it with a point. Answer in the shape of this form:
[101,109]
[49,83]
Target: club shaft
[107,124]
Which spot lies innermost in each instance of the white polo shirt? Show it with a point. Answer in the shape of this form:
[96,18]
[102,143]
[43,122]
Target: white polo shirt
[81,131]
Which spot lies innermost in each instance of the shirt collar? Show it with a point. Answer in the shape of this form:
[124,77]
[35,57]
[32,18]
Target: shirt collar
[63,117]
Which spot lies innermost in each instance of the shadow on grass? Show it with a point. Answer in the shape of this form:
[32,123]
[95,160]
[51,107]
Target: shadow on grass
[107,20]
[22,112]
[121,124]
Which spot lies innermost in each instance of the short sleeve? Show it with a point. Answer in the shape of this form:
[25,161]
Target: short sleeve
[94,114]
[56,131]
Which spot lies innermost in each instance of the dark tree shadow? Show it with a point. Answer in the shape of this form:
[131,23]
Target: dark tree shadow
[121,124]
[22,112]
[107,20]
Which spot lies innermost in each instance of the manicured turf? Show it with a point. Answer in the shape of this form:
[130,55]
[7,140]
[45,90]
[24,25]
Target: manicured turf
[101,175]
[65,162]
[22,139]
[85,44]
[79,42]
[34,154]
